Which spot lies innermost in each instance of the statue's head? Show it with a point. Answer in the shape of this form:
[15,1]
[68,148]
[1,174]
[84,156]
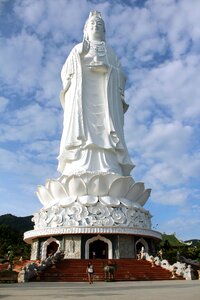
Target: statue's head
[94,28]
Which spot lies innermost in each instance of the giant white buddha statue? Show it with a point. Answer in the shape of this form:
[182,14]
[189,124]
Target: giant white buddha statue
[94,106]
[95,191]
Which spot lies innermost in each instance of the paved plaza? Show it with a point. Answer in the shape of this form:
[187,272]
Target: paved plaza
[148,290]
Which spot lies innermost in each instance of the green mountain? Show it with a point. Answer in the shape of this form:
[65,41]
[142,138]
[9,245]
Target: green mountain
[20,224]
[12,229]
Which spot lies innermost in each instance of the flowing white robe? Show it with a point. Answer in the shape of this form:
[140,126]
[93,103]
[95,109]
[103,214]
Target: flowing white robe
[92,138]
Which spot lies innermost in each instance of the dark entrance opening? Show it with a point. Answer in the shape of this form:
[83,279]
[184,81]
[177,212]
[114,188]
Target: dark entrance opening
[52,248]
[138,249]
[98,249]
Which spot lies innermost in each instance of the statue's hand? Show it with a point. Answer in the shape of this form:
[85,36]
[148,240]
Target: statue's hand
[98,67]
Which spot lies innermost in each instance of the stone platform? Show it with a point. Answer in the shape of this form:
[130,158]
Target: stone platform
[150,290]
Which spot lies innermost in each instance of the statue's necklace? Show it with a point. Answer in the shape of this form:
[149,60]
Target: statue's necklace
[98,48]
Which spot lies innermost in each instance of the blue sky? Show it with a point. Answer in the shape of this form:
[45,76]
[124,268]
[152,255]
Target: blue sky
[158,43]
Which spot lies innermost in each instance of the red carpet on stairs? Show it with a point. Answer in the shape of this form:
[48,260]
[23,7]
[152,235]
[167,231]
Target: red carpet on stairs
[70,270]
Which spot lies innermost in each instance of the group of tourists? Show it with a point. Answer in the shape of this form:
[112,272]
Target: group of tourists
[109,271]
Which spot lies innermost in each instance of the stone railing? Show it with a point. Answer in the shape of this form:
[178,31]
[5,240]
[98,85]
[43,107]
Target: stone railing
[33,269]
[177,269]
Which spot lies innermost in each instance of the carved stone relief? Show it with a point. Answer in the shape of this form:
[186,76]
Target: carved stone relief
[72,247]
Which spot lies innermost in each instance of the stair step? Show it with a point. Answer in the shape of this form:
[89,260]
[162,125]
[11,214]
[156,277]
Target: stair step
[72,270]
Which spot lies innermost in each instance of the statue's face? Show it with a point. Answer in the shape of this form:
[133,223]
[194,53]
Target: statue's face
[95,29]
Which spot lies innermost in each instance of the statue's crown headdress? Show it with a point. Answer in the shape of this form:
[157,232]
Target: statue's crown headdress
[95,13]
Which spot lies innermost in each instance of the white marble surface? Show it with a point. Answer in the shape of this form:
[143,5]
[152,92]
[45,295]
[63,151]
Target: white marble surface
[95,192]
[93,103]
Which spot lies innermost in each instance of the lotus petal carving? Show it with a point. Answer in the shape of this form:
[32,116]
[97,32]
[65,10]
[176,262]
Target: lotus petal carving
[92,200]
[75,186]
[47,183]
[57,190]
[62,179]
[142,199]
[86,177]
[109,201]
[98,186]
[44,195]
[121,186]
[110,178]
[135,190]
[67,201]
[126,202]
[88,200]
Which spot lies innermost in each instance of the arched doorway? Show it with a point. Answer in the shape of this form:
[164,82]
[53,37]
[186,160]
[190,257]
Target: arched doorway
[51,245]
[52,248]
[141,243]
[98,247]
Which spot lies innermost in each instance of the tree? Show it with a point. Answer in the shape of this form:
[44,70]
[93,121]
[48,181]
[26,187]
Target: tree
[12,240]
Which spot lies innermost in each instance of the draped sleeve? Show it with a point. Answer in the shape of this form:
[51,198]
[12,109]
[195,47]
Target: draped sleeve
[67,73]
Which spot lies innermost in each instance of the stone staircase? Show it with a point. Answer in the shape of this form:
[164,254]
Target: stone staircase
[71,270]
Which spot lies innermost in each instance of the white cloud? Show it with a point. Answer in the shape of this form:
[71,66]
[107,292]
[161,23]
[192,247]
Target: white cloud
[171,86]
[42,150]
[31,122]
[30,12]
[186,227]
[160,140]
[175,197]
[178,19]
[3,104]
[20,60]
[158,45]
[17,162]
[61,18]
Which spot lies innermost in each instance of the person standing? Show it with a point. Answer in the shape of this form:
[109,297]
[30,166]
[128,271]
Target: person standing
[90,272]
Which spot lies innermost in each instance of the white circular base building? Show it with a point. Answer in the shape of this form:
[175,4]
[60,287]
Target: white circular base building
[92,216]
